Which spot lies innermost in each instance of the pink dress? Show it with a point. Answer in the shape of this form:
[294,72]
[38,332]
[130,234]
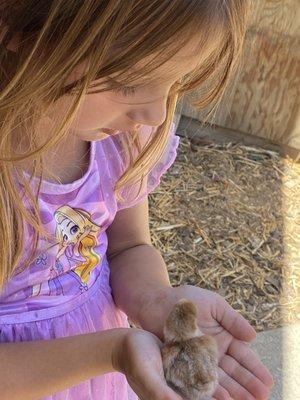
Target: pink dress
[66,290]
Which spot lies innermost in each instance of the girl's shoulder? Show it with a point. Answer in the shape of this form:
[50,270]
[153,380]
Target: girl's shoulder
[112,153]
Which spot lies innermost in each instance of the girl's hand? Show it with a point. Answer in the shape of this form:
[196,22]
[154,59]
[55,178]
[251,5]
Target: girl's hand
[242,376]
[139,357]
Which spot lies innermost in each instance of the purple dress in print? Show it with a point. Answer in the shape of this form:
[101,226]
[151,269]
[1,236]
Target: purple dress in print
[65,291]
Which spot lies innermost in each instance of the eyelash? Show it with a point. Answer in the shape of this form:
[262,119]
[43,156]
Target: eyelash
[126,90]
[131,90]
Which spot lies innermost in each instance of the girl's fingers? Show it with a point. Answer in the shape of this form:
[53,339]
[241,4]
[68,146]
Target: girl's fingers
[221,394]
[233,322]
[164,393]
[247,358]
[169,394]
[244,378]
[153,387]
[235,390]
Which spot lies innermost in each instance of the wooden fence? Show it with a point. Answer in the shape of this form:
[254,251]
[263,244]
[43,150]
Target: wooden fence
[264,98]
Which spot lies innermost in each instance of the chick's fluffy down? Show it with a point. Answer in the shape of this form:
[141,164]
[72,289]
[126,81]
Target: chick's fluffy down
[191,367]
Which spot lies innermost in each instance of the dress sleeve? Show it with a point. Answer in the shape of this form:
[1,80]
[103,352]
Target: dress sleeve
[135,193]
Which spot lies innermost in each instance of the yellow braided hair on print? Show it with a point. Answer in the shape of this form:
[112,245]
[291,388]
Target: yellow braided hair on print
[86,249]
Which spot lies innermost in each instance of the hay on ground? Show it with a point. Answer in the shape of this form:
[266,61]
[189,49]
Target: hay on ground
[227,218]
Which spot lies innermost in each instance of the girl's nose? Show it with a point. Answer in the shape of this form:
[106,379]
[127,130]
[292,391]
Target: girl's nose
[153,114]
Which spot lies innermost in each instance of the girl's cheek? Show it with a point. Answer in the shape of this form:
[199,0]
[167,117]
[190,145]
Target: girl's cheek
[96,111]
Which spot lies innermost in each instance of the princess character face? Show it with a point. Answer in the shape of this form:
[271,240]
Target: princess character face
[70,232]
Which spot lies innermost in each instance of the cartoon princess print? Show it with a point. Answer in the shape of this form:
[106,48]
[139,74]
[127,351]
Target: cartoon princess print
[76,237]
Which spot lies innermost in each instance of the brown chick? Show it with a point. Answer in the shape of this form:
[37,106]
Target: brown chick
[190,358]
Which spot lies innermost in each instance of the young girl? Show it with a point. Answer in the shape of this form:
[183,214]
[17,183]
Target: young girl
[88,92]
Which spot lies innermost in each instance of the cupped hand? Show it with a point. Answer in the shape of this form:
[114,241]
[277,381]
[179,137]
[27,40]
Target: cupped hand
[242,376]
[139,358]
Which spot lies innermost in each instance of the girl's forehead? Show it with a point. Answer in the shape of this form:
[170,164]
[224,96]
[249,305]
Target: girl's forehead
[183,62]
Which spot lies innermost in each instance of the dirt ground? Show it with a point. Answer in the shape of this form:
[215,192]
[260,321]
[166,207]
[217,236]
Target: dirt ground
[227,218]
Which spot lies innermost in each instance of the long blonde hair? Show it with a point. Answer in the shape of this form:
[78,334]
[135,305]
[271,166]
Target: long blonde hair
[54,37]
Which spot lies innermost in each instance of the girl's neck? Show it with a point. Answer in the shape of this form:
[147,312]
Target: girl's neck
[68,161]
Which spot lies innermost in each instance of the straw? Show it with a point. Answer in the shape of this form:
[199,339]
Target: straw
[218,220]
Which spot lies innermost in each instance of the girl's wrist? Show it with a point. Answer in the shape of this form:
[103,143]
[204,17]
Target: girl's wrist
[109,343]
[117,357]
[155,308]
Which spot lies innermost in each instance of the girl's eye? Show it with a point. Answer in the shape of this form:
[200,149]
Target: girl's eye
[128,91]
[125,90]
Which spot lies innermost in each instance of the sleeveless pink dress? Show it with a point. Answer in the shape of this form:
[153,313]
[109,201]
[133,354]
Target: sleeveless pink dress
[66,291]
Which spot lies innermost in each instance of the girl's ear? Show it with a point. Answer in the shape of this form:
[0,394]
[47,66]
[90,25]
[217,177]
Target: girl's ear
[10,40]
[14,42]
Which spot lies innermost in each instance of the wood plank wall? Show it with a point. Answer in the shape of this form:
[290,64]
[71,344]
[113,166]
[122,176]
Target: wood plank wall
[263,100]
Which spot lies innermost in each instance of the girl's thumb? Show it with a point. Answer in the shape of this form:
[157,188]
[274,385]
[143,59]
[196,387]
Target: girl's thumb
[164,392]
[171,395]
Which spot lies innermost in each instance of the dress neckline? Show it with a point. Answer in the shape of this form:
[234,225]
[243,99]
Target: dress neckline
[58,188]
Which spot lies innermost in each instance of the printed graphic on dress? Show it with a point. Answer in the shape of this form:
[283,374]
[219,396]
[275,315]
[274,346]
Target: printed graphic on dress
[76,238]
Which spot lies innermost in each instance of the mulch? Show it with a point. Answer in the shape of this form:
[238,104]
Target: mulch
[226,217]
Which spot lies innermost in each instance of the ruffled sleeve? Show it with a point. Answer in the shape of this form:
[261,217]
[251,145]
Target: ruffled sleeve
[135,193]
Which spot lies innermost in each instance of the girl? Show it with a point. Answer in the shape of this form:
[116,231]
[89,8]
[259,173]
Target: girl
[88,91]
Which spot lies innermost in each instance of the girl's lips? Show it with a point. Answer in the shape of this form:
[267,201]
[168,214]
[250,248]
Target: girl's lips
[109,131]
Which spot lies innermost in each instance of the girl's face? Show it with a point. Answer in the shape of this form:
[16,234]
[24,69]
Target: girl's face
[102,114]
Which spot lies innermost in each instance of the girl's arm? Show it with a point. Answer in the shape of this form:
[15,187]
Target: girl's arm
[138,273]
[140,287]
[32,370]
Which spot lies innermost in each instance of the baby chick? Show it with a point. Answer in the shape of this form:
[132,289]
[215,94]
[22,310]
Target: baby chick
[190,358]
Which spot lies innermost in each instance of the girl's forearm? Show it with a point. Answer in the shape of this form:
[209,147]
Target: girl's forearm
[32,370]
[141,286]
